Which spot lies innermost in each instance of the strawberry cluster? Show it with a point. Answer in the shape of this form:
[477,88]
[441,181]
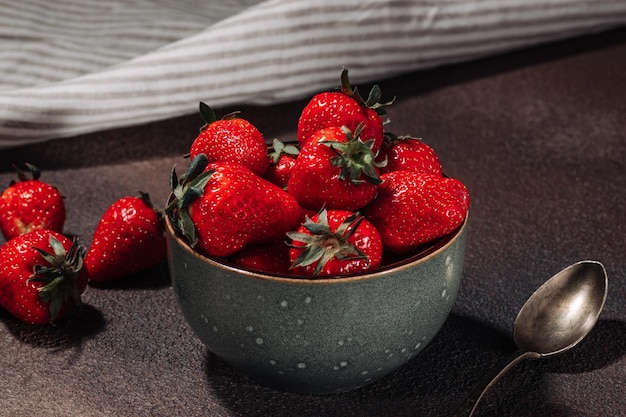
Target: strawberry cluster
[347,197]
[43,272]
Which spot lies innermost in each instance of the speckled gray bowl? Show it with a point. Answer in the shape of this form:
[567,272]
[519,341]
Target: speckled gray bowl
[317,336]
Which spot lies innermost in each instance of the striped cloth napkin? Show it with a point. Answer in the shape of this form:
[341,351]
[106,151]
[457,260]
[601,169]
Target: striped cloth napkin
[70,67]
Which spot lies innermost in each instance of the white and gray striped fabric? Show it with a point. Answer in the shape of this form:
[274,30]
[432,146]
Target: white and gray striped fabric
[69,67]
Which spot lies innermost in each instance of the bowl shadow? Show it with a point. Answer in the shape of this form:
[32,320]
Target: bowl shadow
[423,387]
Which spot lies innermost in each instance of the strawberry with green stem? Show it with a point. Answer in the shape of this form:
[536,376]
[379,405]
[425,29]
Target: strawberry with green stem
[335,243]
[232,139]
[407,153]
[222,207]
[336,170]
[30,204]
[282,158]
[344,108]
[41,276]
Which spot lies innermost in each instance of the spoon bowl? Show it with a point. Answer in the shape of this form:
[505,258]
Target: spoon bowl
[563,310]
[554,319]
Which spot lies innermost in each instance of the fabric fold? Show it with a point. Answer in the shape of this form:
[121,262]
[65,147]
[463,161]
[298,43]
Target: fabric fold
[279,50]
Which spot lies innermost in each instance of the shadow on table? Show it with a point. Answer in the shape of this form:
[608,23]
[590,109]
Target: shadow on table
[153,278]
[522,393]
[67,333]
[434,382]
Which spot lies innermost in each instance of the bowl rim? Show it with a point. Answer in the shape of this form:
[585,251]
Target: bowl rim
[422,256]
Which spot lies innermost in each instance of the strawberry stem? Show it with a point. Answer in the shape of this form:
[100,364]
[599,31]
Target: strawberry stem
[59,275]
[355,158]
[279,148]
[186,190]
[321,244]
[207,114]
[391,139]
[31,172]
[373,99]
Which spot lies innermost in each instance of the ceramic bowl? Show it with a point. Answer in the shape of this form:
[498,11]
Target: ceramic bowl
[317,336]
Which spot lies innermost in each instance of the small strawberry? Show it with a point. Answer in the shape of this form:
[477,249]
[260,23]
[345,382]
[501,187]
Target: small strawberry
[406,153]
[223,207]
[128,239]
[412,209]
[282,159]
[344,108]
[30,204]
[230,139]
[41,276]
[336,170]
[272,257]
[335,243]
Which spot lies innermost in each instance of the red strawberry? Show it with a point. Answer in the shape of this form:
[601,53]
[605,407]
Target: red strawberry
[224,207]
[406,153]
[30,204]
[272,257]
[336,170]
[128,239]
[344,108]
[41,276]
[335,243]
[230,139]
[412,209]
[282,159]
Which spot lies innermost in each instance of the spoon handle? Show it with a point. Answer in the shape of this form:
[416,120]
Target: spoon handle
[468,406]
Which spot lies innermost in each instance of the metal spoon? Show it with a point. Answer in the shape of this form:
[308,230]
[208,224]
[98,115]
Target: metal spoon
[558,315]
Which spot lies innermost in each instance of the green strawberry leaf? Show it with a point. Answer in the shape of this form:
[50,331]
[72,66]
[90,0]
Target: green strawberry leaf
[186,190]
[279,148]
[207,113]
[321,244]
[373,99]
[355,158]
[58,276]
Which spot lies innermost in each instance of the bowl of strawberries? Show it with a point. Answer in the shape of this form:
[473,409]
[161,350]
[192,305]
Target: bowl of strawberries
[317,266]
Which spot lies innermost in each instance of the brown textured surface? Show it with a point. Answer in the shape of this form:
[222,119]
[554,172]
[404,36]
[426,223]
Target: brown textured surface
[538,136]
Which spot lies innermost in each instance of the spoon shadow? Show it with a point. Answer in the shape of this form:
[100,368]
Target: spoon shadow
[602,347]
[599,349]
[433,382]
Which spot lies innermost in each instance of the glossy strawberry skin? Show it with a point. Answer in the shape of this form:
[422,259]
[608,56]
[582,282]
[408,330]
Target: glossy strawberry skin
[270,257]
[31,205]
[315,182]
[366,238]
[238,209]
[410,155]
[233,140]
[336,109]
[278,172]
[412,209]
[128,239]
[18,294]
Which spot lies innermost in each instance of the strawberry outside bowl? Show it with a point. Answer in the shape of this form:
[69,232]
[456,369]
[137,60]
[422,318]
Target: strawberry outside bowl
[318,336]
